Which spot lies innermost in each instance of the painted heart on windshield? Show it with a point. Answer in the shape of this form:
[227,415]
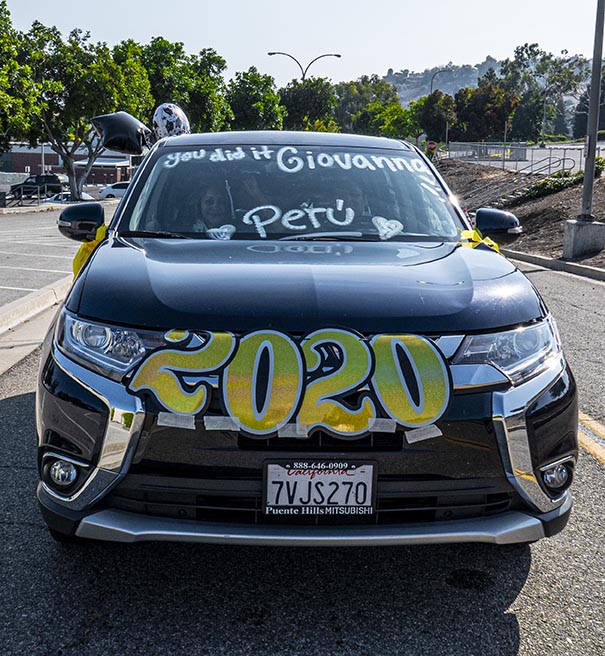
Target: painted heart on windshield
[224,232]
[387,229]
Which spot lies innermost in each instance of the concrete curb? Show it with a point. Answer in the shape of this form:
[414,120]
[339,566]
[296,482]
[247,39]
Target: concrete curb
[48,207]
[15,313]
[556,265]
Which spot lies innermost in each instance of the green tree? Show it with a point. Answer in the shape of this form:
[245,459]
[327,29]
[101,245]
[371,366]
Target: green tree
[254,102]
[194,82]
[438,114]
[527,119]
[207,107]
[311,100]
[413,118]
[66,70]
[169,71]
[135,88]
[489,77]
[19,93]
[367,121]
[580,118]
[320,125]
[540,79]
[561,126]
[483,112]
[394,121]
[376,119]
[354,97]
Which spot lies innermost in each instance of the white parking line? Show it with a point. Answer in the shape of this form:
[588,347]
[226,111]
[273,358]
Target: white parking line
[40,257]
[19,233]
[58,243]
[19,289]
[19,268]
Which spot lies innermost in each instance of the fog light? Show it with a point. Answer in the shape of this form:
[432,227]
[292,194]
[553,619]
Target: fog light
[556,476]
[63,473]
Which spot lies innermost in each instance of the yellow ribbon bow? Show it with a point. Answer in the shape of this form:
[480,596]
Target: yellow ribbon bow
[475,238]
[87,248]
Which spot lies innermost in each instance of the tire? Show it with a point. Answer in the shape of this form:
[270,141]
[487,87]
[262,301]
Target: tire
[110,196]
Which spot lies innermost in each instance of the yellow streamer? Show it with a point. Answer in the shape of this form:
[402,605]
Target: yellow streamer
[87,248]
[475,238]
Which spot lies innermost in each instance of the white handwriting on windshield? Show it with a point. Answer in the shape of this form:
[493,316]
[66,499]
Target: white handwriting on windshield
[300,218]
[216,155]
[290,159]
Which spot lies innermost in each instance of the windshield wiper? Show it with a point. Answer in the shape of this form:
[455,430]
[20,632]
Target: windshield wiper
[325,236]
[154,233]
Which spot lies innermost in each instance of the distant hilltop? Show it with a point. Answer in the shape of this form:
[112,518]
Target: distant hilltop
[411,85]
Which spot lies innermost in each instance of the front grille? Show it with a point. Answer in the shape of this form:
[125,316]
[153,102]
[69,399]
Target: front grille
[239,504]
[322,442]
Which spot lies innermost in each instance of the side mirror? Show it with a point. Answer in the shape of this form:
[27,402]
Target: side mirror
[501,226]
[81,221]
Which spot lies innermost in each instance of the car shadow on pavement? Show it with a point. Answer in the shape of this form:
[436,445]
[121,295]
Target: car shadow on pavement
[162,598]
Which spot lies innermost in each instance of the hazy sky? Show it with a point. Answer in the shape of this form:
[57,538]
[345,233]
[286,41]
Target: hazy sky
[372,35]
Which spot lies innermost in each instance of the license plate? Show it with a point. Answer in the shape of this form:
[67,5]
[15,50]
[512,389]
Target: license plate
[319,488]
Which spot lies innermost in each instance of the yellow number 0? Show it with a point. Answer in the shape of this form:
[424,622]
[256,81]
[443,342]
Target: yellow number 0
[430,373]
[282,386]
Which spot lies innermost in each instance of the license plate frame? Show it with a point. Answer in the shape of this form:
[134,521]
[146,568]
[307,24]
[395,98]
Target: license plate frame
[332,473]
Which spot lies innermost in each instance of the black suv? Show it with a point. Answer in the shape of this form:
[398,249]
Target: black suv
[38,185]
[299,339]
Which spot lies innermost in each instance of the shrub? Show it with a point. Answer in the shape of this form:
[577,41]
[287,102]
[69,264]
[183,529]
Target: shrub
[554,138]
[553,183]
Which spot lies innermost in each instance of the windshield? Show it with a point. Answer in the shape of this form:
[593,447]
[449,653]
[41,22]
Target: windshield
[292,192]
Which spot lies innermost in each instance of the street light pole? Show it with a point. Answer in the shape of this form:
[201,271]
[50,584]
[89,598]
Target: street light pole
[441,70]
[303,71]
[543,130]
[593,115]
[584,235]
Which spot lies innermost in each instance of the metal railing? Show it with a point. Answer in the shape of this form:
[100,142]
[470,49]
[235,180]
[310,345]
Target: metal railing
[520,157]
[30,195]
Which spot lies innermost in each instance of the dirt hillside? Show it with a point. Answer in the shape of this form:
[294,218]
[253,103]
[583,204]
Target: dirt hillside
[543,219]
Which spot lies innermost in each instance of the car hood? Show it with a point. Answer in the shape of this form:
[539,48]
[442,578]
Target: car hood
[300,286]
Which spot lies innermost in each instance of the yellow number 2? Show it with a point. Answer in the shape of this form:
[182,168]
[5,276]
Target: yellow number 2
[319,408]
[160,372]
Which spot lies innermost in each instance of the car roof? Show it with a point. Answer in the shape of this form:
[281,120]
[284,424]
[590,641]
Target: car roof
[285,138]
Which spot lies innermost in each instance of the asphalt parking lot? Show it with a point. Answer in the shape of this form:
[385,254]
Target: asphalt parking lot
[159,598]
[33,254]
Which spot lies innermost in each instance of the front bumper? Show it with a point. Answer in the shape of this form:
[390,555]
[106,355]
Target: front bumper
[520,444]
[508,528]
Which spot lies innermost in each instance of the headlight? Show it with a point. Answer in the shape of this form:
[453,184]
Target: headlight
[520,354]
[108,350]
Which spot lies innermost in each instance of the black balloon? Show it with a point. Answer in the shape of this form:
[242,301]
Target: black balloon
[122,132]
